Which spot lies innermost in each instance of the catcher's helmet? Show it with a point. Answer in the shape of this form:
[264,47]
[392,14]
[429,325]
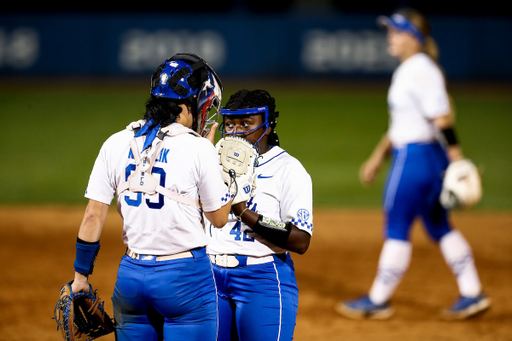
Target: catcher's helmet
[188,76]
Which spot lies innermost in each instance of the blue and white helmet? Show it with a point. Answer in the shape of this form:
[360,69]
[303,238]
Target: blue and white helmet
[188,76]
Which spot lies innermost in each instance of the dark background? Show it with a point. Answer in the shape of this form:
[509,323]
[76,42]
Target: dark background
[254,38]
[452,8]
[324,61]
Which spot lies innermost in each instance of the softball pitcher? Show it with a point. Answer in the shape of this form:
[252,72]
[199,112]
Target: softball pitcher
[420,117]
[258,294]
[163,172]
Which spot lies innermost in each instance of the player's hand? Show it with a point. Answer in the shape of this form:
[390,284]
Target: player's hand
[369,171]
[455,153]
[80,283]
[211,134]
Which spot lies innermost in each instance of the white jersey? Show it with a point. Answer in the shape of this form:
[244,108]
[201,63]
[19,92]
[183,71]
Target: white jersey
[417,95]
[283,191]
[155,224]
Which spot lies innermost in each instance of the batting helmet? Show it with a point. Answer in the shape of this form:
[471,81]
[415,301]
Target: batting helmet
[186,76]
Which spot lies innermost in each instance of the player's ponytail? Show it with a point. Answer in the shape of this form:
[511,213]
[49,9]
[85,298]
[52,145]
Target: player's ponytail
[422,24]
[431,48]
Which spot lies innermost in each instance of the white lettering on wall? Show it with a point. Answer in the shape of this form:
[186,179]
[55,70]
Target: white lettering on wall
[346,51]
[19,48]
[142,50]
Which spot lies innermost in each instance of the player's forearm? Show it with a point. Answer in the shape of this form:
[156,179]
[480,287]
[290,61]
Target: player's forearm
[372,165]
[445,125]
[219,218]
[87,244]
[293,239]
[454,153]
[382,149]
[93,221]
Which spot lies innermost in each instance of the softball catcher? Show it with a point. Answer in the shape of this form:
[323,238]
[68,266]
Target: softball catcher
[256,286]
[165,176]
[422,141]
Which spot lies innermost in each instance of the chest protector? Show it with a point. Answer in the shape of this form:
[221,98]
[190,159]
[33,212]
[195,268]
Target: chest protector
[142,181]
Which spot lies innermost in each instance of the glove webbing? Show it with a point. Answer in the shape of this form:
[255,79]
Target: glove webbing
[79,319]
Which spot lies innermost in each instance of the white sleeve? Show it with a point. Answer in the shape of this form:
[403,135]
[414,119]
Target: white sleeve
[430,92]
[213,193]
[100,187]
[297,198]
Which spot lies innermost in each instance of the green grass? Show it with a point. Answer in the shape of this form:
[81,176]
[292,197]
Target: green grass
[51,135]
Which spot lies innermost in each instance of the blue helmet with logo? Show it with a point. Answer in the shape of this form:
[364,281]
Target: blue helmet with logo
[186,76]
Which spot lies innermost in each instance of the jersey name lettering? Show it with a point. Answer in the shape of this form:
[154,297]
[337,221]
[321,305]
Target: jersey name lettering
[161,158]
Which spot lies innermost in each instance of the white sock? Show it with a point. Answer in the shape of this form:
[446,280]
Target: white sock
[457,254]
[394,260]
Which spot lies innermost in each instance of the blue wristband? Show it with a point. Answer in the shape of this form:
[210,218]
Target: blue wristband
[86,254]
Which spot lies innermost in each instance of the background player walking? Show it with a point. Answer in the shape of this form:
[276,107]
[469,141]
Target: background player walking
[161,170]
[421,117]
[258,294]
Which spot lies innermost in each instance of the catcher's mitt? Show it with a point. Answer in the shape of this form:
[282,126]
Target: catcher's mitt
[238,159]
[462,185]
[80,316]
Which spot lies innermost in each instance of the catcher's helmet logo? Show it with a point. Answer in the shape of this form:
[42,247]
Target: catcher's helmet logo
[163,78]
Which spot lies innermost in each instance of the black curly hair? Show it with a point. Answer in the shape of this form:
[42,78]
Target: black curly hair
[162,110]
[244,99]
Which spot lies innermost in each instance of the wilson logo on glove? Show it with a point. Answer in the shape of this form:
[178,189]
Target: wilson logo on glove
[238,159]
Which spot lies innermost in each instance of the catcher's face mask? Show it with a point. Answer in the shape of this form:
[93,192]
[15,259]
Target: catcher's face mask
[209,97]
[263,111]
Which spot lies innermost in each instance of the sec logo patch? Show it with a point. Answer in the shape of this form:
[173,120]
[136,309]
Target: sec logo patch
[303,214]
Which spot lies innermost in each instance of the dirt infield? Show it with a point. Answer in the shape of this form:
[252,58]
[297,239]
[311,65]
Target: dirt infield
[37,251]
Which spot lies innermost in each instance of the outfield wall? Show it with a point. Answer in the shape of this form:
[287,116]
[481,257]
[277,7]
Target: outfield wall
[283,45]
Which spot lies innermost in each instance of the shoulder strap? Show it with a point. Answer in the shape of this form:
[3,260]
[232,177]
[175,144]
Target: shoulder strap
[142,179]
[176,129]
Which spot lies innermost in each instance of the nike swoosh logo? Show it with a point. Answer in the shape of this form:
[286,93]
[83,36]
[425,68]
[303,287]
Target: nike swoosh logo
[264,177]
